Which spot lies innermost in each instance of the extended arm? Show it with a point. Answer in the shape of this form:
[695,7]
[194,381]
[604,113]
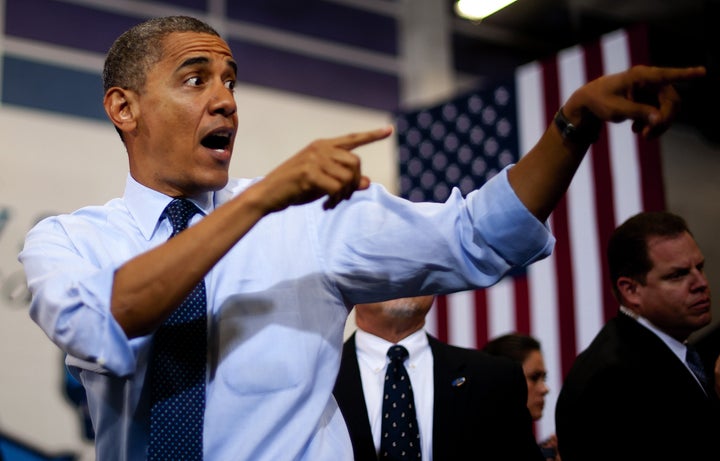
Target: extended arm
[150,286]
[642,94]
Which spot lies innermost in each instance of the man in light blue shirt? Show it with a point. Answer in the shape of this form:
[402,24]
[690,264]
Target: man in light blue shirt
[283,257]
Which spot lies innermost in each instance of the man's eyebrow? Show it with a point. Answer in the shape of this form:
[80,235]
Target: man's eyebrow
[203,60]
[189,62]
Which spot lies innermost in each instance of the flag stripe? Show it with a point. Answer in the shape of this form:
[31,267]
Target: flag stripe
[481,317]
[604,207]
[461,324]
[561,229]
[522,306]
[500,313]
[564,299]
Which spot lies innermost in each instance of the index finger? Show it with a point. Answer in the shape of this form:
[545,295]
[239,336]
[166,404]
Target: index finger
[661,75]
[353,140]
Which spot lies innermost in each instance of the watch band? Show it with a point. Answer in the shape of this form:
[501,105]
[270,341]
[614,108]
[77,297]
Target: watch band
[581,134]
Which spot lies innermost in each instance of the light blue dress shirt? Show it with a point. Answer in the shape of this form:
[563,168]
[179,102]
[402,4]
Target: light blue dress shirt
[277,304]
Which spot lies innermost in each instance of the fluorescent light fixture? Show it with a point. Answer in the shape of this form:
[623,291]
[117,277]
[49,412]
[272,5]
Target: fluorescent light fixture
[479,9]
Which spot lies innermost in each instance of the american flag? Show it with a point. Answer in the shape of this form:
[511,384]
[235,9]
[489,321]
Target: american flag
[565,299]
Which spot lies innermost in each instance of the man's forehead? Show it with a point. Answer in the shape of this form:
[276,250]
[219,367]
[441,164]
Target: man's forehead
[178,45]
[661,240]
[670,249]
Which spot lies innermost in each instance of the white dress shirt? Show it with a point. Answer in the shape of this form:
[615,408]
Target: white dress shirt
[373,362]
[277,304]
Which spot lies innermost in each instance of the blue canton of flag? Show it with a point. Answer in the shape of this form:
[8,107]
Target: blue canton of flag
[439,146]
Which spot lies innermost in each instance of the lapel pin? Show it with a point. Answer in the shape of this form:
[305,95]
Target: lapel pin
[457,382]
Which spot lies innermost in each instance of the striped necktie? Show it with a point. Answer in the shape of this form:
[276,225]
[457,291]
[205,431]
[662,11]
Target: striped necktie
[694,362]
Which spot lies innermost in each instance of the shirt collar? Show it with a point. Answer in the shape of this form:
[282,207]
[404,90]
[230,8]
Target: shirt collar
[676,346]
[147,205]
[374,348]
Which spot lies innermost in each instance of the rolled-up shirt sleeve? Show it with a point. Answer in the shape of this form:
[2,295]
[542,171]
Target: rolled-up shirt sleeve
[506,224]
[71,299]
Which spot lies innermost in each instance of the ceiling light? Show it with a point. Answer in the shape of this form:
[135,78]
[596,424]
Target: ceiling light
[479,9]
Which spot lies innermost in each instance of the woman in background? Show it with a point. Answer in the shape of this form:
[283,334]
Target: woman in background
[526,350]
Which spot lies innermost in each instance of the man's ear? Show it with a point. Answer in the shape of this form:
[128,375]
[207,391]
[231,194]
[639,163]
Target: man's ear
[628,289]
[121,107]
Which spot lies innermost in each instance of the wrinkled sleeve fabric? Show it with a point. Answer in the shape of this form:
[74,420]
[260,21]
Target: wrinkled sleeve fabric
[71,284]
[391,247]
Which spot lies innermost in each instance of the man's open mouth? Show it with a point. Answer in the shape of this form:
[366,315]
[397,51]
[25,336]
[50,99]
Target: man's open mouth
[218,140]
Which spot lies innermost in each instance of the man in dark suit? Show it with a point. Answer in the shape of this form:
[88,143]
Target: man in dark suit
[470,405]
[631,395]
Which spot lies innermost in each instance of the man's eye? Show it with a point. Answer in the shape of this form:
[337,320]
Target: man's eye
[677,275]
[230,84]
[193,81]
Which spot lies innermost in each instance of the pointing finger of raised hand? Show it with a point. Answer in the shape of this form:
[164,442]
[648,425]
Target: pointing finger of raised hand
[665,75]
[352,140]
[646,96]
[663,102]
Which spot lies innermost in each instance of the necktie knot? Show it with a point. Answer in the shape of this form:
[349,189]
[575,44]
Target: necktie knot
[397,353]
[179,212]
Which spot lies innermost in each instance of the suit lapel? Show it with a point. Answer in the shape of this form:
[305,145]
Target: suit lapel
[351,399]
[451,395]
[653,354]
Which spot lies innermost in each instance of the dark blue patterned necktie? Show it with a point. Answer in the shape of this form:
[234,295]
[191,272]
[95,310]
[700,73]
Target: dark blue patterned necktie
[399,438]
[695,364]
[177,368]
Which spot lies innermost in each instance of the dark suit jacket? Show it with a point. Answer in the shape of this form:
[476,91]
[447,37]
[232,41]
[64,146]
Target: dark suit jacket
[628,397]
[484,418]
